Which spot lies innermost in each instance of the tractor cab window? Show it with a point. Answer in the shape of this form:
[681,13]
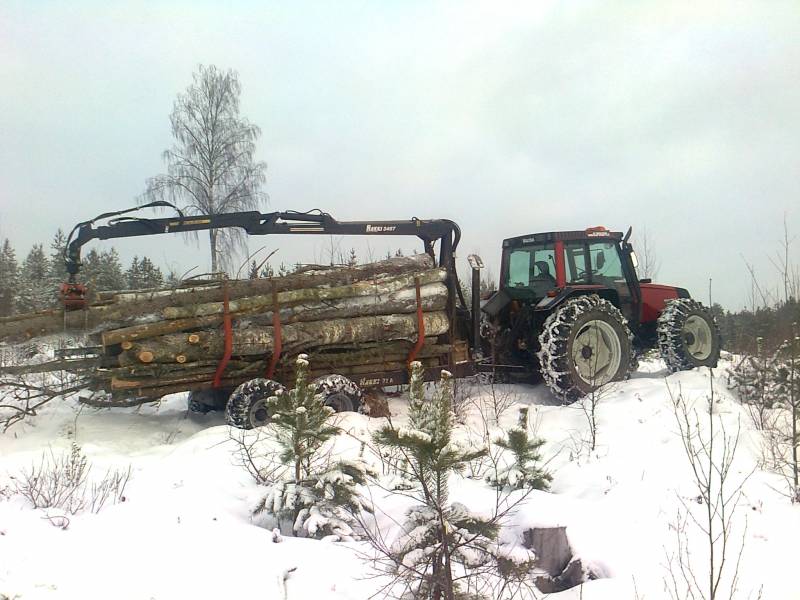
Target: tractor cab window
[575,262]
[606,265]
[530,266]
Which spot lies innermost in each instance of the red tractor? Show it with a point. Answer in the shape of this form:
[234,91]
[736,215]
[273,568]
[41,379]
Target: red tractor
[571,305]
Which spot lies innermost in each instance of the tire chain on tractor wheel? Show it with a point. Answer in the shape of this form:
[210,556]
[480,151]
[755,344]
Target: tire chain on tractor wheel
[554,357]
[332,385]
[240,404]
[671,343]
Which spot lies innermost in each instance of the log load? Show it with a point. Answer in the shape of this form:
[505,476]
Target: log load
[128,307]
[350,320]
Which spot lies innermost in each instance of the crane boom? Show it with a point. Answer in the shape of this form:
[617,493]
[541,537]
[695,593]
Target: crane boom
[257,223]
[313,222]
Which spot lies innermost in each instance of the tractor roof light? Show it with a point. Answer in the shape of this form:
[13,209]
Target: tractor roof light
[598,231]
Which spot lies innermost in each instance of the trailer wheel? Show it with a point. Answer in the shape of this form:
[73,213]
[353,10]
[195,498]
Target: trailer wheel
[338,392]
[585,344]
[204,401]
[688,336]
[247,406]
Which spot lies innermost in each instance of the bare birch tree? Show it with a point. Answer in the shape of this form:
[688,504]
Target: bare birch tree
[211,166]
[649,263]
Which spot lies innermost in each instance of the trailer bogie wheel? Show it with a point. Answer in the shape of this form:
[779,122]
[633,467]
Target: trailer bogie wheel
[585,344]
[204,401]
[247,407]
[688,336]
[338,392]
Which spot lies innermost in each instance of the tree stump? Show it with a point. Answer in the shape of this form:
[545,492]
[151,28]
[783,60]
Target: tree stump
[554,557]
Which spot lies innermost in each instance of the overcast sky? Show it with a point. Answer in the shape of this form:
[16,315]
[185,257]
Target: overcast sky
[509,118]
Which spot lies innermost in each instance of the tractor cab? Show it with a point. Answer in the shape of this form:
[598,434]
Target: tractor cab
[542,269]
[550,282]
[546,261]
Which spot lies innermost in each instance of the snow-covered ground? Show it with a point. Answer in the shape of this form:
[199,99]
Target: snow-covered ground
[185,530]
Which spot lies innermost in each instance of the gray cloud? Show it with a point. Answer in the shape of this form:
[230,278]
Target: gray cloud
[508,118]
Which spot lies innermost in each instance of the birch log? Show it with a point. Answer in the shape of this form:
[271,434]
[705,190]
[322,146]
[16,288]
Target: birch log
[433,298]
[260,340]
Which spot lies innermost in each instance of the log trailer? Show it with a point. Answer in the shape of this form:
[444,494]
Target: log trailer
[570,306]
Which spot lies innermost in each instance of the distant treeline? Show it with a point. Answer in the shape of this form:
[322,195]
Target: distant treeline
[772,324]
[32,284]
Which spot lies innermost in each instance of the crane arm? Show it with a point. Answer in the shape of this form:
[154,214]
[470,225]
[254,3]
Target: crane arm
[257,223]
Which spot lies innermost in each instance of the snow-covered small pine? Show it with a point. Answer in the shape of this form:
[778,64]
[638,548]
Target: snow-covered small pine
[439,539]
[787,374]
[755,376]
[520,470]
[312,494]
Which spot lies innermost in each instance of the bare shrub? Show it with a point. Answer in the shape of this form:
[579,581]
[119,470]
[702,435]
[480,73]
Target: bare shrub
[63,482]
[710,451]
[23,397]
[583,443]
[490,402]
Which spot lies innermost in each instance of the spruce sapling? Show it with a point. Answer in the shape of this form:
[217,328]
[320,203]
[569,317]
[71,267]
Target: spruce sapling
[443,545]
[524,471]
[312,495]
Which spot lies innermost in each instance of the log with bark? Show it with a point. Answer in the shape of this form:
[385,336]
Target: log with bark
[345,358]
[260,340]
[391,297]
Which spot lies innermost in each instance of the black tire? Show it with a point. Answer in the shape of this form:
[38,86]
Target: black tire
[688,335]
[338,392]
[204,401]
[602,333]
[247,406]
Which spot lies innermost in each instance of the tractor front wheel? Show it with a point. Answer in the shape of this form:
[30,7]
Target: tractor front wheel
[688,336]
[585,344]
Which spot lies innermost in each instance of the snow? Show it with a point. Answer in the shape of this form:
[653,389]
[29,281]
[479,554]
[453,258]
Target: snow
[185,529]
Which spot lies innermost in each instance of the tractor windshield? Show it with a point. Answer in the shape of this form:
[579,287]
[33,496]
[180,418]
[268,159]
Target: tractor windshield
[532,267]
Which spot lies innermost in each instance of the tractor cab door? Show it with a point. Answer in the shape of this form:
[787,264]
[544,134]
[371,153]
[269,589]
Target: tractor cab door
[609,268]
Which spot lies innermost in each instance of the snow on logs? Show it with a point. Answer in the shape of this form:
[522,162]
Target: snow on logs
[357,319]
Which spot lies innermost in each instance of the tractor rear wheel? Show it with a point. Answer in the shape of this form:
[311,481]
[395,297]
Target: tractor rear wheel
[338,392]
[688,336]
[585,344]
[247,407]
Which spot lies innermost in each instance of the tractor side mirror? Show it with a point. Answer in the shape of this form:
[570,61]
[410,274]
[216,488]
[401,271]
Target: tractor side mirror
[627,235]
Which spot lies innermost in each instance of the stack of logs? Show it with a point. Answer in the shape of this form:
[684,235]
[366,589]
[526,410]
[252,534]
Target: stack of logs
[349,320]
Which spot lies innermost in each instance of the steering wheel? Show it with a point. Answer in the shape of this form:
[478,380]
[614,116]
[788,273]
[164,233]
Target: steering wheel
[580,277]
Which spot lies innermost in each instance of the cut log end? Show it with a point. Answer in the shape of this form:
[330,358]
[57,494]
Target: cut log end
[180,358]
[193,338]
[146,356]
[127,345]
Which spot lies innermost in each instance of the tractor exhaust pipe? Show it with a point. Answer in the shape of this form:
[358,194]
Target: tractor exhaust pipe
[476,264]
